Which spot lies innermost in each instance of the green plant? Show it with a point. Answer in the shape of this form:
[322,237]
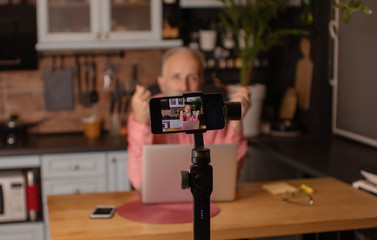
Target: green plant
[253,18]
[349,7]
[196,104]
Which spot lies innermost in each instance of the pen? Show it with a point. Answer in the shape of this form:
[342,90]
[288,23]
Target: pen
[307,189]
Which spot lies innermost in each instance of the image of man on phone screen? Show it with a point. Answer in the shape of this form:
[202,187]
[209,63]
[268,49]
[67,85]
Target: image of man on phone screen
[188,119]
[189,115]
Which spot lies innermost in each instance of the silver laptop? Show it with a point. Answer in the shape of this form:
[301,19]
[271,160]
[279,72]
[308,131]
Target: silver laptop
[190,125]
[162,165]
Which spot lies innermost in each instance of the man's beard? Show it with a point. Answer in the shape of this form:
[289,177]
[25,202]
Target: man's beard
[188,114]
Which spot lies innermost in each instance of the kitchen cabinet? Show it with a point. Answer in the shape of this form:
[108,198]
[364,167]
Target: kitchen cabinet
[98,24]
[71,165]
[117,179]
[171,123]
[75,173]
[68,164]
[71,173]
[21,231]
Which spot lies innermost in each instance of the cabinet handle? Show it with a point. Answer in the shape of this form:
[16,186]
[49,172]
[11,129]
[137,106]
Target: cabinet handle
[106,35]
[75,166]
[77,191]
[98,35]
[113,160]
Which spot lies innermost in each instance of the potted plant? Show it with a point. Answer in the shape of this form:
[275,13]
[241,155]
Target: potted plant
[249,21]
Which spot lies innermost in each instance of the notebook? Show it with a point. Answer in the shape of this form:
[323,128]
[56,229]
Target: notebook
[162,165]
[189,125]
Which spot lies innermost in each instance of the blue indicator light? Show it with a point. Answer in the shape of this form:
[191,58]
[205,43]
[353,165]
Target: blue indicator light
[201,214]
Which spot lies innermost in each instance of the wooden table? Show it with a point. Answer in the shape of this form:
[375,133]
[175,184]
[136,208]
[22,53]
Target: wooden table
[255,213]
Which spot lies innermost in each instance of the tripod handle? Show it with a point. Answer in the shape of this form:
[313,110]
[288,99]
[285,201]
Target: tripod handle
[202,222]
[200,182]
[201,188]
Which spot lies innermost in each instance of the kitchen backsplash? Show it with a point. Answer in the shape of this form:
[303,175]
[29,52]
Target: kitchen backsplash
[23,92]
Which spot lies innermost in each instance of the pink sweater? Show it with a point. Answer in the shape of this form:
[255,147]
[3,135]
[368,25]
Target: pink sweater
[140,135]
[191,118]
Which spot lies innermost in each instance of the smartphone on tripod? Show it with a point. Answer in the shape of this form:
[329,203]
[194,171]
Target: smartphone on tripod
[190,113]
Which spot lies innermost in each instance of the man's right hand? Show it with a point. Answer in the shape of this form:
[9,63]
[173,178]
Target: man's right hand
[140,104]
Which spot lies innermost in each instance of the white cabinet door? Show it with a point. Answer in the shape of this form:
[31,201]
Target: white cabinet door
[72,173]
[22,231]
[74,186]
[131,20]
[116,172]
[66,20]
[69,165]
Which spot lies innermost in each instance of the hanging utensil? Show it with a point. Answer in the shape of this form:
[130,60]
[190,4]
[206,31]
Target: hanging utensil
[116,96]
[86,98]
[108,74]
[78,74]
[58,85]
[93,96]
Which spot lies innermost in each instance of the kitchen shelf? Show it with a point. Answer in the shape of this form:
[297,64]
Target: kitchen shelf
[109,45]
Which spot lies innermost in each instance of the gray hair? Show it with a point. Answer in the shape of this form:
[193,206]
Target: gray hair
[185,50]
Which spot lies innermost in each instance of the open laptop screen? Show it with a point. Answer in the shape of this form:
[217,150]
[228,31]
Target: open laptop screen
[162,165]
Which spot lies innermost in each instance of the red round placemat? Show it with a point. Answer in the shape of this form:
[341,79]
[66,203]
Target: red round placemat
[160,213]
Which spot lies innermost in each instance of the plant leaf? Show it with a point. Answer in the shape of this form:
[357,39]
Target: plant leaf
[346,16]
[366,10]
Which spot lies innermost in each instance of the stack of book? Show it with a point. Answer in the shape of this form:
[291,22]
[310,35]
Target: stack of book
[368,184]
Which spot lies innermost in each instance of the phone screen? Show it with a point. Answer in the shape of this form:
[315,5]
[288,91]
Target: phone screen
[192,112]
[103,212]
[182,114]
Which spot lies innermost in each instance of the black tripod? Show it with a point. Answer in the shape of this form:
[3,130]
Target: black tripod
[200,180]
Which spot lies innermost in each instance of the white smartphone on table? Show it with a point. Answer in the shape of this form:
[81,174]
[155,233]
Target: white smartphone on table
[103,211]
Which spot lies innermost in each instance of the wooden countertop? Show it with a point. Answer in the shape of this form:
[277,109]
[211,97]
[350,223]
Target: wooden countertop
[255,213]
